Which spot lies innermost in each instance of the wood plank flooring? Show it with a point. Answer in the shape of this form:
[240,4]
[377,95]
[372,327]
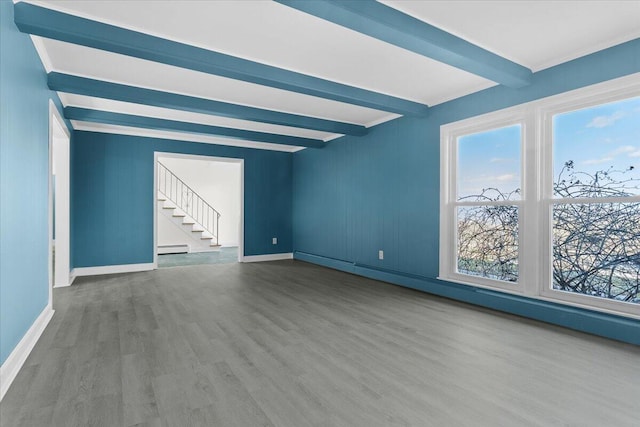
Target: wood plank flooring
[292,344]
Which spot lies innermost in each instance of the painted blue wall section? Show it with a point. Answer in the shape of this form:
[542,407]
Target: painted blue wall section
[112,197]
[24,185]
[381,191]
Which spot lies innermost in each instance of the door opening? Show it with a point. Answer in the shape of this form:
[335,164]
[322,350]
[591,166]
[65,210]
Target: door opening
[198,210]
[59,196]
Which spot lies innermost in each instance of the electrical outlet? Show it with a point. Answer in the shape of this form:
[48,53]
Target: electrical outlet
[274,240]
[380,254]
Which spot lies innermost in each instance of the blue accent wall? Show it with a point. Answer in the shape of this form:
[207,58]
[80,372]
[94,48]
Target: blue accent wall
[24,183]
[381,191]
[112,197]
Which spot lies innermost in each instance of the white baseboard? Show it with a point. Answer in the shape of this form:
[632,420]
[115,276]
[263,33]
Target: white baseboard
[268,257]
[72,277]
[179,248]
[111,269]
[10,368]
[66,285]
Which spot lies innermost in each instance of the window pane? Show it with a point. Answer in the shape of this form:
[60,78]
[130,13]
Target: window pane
[596,250]
[489,165]
[596,151]
[488,242]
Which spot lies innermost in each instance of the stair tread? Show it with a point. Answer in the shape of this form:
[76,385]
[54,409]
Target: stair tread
[169,207]
[178,216]
[206,238]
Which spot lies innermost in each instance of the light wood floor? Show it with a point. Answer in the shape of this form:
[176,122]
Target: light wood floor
[291,344]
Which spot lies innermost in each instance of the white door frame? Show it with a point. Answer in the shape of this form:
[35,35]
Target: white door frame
[59,134]
[157,154]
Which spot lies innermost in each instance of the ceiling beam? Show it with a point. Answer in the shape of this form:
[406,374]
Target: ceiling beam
[119,119]
[392,26]
[120,92]
[61,26]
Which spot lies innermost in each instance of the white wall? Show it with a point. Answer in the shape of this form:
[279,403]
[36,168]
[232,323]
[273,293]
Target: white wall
[219,184]
[169,232]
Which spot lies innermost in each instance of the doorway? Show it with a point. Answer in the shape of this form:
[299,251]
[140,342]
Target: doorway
[59,197]
[198,210]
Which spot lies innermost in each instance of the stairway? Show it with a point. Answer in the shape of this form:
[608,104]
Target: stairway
[199,239]
[189,212]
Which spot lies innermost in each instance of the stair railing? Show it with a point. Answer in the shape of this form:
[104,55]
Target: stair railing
[187,200]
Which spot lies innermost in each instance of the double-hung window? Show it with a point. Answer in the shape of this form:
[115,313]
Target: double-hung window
[543,199]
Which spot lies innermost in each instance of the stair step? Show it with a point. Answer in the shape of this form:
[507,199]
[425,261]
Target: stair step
[179,215]
[206,238]
[197,231]
[214,246]
[161,199]
[168,207]
[188,223]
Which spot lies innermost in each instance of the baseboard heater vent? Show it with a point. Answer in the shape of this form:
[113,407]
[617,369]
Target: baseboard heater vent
[173,249]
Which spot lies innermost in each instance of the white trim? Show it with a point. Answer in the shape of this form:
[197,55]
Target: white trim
[10,368]
[537,182]
[111,269]
[72,277]
[60,163]
[54,115]
[59,118]
[155,210]
[267,257]
[157,154]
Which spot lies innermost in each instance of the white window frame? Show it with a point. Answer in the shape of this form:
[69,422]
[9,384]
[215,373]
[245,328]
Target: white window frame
[535,232]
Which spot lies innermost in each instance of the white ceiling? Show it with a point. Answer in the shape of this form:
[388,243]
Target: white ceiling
[536,34]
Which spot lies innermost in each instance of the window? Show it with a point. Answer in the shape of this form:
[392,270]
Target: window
[543,199]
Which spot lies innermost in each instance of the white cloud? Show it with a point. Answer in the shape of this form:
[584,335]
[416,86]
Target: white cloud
[505,177]
[501,160]
[604,121]
[489,179]
[597,161]
[623,149]
[630,150]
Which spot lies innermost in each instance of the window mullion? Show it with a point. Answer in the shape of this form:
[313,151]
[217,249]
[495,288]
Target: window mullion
[529,221]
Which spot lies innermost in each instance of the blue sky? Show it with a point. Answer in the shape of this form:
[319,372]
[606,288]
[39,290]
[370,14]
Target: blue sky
[597,138]
[489,159]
